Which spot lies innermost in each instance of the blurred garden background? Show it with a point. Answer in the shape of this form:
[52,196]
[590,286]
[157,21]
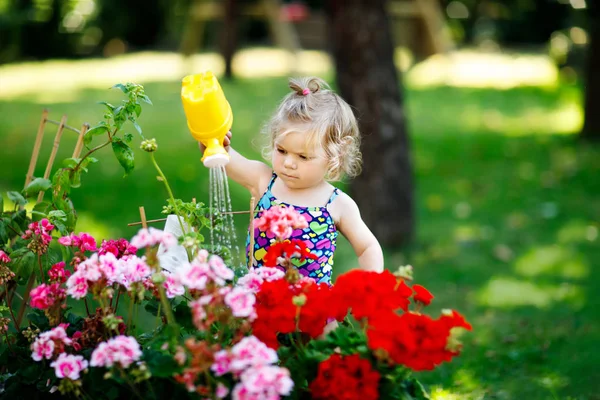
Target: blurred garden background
[499,175]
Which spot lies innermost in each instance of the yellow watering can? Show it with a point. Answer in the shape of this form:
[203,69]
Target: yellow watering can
[208,114]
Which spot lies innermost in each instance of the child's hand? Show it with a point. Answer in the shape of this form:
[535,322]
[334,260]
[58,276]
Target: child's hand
[226,143]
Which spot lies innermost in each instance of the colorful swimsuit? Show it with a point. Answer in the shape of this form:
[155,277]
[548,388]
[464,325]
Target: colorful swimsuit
[320,236]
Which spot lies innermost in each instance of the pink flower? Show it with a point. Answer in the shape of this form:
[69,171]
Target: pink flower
[195,275]
[50,341]
[221,391]
[40,297]
[251,352]
[133,269]
[241,302]
[253,279]
[222,362]
[221,271]
[69,366]
[152,237]
[77,285]
[119,248]
[173,286]
[58,273]
[42,348]
[4,258]
[120,350]
[263,382]
[198,310]
[281,221]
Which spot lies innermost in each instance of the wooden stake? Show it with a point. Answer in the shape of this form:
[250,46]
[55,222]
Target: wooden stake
[57,138]
[79,145]
[251,231]
[36,148]
[143,217]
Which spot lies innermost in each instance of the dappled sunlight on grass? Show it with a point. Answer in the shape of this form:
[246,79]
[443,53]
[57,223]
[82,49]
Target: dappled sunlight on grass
[552,261]
[484,70]
[508,292]
[438,393]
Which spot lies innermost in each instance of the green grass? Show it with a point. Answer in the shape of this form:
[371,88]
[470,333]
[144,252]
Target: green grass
[508,218]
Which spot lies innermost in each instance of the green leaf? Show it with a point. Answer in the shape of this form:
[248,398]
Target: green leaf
[39,210]
[75,178]
[61,183]
[24,263]
[120,116]
[16,198]
[3,232]
[1,203]
[145,99]
[138,109]
[124,155]
[108,105]
[160,364]
[19,220]
[128,137]
[100,129]
[70,162]
[137,127]
[36,186]
[120,86]
[57,215]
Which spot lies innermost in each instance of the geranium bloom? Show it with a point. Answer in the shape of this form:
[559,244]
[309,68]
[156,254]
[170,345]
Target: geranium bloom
[281,221]
[241,302]
[347,378]
[58,273]
[173,286]
[415,340]
[83,241]
[153,237]
[49,342]
[287,249]
[422,295]
[40,233]
[263,382]
[45,296]
[249,352]
[368,292]
[119,248]
[4,258]
[69,366]
[120,350]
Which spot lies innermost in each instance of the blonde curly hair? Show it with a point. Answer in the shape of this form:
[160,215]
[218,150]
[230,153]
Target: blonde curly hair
[326,119]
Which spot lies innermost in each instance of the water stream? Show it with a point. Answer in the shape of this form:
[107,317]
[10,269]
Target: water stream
[220,200]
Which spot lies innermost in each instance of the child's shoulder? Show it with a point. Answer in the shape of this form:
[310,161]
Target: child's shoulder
[341,205]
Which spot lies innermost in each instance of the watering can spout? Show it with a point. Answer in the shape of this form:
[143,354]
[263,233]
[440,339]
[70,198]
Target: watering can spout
[208,115]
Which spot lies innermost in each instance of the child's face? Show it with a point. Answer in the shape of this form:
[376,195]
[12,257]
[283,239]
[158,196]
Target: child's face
[298,166]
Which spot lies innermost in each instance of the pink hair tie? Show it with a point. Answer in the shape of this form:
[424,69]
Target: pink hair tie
[306,91]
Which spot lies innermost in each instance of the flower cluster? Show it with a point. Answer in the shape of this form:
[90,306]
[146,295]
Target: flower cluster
[40,234]
[281,221]
[5,273]
[50,343]
[119,248]
[345,377]
[84,242]
[153,237]
[251,361]
[120,350]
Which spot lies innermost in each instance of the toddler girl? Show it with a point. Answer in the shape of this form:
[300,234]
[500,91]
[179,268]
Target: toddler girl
[313,140]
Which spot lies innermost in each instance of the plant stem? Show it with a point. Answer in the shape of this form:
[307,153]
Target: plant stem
[164,178]
[30,283]
[92,151]
[118,297]
[41,268]
[87,310]
[8,342]
[12,314]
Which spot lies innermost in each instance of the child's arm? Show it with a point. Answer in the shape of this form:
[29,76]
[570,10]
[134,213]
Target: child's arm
[253,175]
[364,243]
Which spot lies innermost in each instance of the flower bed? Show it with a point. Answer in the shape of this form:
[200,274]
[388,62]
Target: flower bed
[70,304]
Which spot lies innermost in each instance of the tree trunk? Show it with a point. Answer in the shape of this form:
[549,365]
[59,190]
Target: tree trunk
[591,126]
[368,80]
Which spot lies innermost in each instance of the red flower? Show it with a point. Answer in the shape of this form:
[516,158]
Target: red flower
[422,295]
[414,340]
[347,378]
[277,313]
[367,293]
[287,249]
